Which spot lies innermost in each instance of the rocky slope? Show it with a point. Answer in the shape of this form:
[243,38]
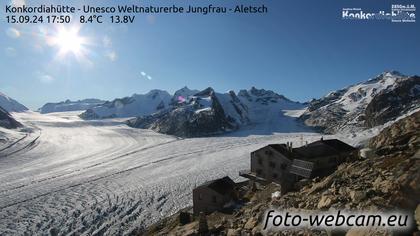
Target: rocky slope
[7,121]
[208,112]
[70,105]
[403,135]
[182,95]
[391,103]
[389,181]
[364,105]
[11,105]
[200,115]
[136,105]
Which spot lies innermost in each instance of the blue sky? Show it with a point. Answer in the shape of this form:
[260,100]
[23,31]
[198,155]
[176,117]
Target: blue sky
[301,49]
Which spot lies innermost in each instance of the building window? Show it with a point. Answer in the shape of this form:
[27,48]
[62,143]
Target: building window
[268,152]
[260,161]
[272,164]
[214,199]
[200,196]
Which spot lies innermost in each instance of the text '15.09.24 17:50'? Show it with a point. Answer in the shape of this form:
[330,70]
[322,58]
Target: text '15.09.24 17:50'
[66,19]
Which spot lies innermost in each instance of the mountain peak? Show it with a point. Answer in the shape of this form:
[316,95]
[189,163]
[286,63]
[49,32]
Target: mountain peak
[364,105]
[206,92]
[389,74]
[153,91]
[264,93]
[392,73]
[183,90]
[11,105]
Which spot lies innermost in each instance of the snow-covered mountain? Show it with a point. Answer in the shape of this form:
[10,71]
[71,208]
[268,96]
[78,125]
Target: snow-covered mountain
[182,95]
[262,103]
[366,104]
[191,113]
[202,114]
[208,112]
[7,121]
[136,105]
[10,104]
[70,105]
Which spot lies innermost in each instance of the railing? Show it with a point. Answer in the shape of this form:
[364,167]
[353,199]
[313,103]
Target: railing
[244,172]
[302,168]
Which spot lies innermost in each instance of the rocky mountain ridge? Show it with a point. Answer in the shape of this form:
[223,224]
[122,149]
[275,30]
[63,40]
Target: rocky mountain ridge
[11,105]
[69,105]
[364,105]
[208,112]
[192,113]
[137,104]
[7,121]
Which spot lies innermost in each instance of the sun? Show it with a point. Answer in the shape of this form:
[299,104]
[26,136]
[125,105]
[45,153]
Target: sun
[69,42]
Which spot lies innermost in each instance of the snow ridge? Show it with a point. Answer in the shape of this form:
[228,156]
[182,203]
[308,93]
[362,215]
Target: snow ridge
[10,104]
[209,112]
[69,105]
[352,108]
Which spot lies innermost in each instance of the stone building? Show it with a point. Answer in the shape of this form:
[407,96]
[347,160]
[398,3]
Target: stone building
[283,164]
[213,195]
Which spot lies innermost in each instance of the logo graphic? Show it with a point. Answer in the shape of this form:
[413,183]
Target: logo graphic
[399,13]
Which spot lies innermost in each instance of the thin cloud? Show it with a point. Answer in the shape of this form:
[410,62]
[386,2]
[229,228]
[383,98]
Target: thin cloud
[106,41]
[18,3]
[112,56]
[11,52]
[13,33]
[149,77]
[44,77]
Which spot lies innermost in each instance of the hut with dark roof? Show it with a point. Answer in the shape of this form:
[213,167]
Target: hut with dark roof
[272,163]
[283,164]
[213,195]
[320,158]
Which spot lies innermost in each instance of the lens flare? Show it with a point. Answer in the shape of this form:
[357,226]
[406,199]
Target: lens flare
[69,42]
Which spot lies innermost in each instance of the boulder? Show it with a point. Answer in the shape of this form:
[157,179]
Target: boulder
[325,202]
[357,196]
[251,223]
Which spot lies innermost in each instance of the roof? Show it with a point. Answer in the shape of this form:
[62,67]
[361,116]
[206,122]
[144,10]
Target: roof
[282,148]
[323,148]
[338,145]
[223,185]
[316,149]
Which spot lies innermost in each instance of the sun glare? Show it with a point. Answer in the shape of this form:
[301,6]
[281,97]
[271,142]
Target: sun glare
[68,41]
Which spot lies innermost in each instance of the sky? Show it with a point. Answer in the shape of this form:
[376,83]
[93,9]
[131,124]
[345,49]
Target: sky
[301,48]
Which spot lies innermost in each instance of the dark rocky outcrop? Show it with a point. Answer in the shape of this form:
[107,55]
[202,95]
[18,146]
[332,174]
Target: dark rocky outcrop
[403,135]
[389,104]
[10,105]
[262,96]
[189,120]
[7,121]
